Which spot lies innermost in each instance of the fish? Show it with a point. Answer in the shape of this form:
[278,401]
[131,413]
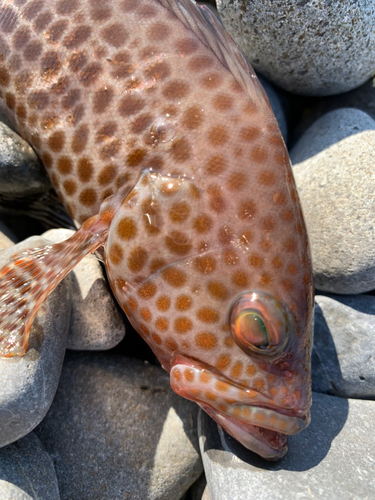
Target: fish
[162,145]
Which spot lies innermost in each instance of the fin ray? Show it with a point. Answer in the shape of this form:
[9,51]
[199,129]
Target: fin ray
[31,276]
[202,22]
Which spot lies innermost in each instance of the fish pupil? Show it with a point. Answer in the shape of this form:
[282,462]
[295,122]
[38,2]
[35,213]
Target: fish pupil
[251,328]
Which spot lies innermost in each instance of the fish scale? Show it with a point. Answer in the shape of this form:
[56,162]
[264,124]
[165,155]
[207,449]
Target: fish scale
[155,130]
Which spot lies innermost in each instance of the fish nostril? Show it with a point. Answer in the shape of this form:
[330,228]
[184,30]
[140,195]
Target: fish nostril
[162,130]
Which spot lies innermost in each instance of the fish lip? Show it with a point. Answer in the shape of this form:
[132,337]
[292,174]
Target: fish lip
[296,423]
[270,445]
[239,417]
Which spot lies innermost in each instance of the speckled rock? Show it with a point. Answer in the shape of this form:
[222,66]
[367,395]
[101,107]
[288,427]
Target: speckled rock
[28,383]
[22,176]
[343,360]
[336,188]
[307,47]
[116,430]
[276,105]
[27,472]
[333,458]
[96,322]
[330,129]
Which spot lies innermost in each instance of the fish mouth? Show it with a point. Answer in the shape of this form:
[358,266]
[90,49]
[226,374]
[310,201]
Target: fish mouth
[251,417]
[270,444]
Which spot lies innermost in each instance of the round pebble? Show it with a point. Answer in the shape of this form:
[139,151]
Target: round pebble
[22,175]
[332,458]
[307,47]
[27,471]
[362,98]
[336,187]
[343,361]
[330,129]
[29,383]
[117,430]
[95,322]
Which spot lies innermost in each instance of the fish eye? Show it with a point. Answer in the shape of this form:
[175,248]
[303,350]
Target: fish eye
[258,323]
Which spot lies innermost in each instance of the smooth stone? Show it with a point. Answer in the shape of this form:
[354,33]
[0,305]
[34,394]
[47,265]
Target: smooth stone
[303,46]
[362,98]
[95,323]
[10,492]
[22,175]
[336,188]
[7,237]
[343,361]
[333,458]
[116,430]
[328,130]
[28,383]
[276,105]
[27,471]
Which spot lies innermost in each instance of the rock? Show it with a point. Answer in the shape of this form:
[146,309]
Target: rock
[332,458]
[305,47]
[22,175]
[336,188]
[28,383]
[7,237]
[362,98]
[116,430]
[343,359]
[199,490]
[276,105]
[10,492]
[27,472]
[96,322]
[328,130]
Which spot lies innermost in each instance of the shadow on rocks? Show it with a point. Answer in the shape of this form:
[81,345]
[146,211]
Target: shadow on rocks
[324,353]
[343,362]
[306,450]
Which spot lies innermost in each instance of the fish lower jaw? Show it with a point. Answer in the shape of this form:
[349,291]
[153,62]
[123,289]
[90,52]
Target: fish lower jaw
[269,444]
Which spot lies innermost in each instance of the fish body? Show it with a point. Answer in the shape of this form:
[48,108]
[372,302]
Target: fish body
[160,141]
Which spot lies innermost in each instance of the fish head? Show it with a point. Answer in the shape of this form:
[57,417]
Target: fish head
[229,315]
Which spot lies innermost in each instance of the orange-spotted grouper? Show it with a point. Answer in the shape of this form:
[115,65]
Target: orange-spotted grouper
[161,143]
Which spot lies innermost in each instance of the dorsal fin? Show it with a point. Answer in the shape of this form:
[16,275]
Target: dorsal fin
[202,22]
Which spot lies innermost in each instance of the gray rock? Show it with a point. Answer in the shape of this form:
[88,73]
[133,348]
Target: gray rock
[304,46]
[27,472]
[10,492]
[336,188]
[28,383]
[96,322]
[362,98]
[333,458]
[116,430]
[22,175]
[330,129]
[343,359]
[276,105]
